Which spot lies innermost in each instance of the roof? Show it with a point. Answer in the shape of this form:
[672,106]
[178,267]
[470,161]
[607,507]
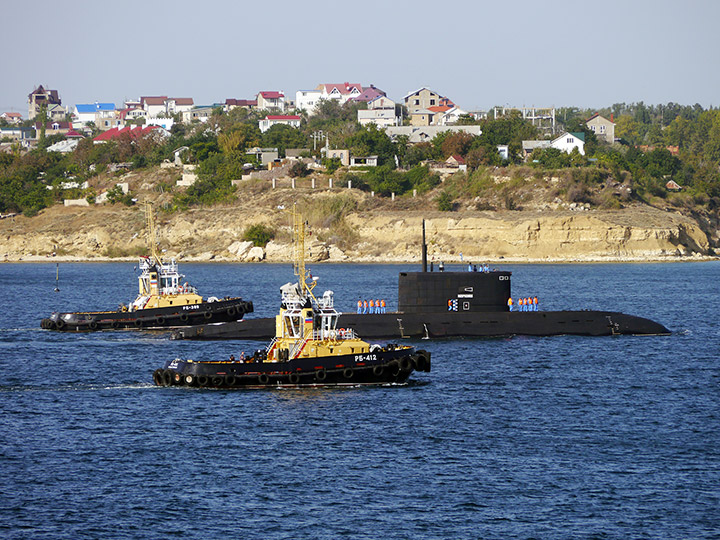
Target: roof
[50,123]
[598,115]
[271,95]
[241,102]
[134,132]
[93,107]
[532,145]
[53,94]
[153,100]
[440,108]
[282,117]
[458,158]
[580,136]
[72,134]
[369,94]
[12,114]
[182,100]
[343,88]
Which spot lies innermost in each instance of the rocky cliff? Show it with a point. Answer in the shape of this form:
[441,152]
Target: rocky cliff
[374,234]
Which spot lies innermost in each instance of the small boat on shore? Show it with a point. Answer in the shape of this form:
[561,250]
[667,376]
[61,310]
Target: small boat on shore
[164,301]
[308,350]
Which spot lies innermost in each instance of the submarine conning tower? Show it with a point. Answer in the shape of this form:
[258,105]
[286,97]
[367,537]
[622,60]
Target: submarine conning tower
[452,291]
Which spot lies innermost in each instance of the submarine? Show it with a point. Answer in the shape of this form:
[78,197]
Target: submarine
[451,305]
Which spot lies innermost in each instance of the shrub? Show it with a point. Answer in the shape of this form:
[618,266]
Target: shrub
[258,234]
[445,202]
[298,169]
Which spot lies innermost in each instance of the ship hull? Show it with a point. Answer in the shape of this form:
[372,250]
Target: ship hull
[180,316]
[389,365]
[452,325]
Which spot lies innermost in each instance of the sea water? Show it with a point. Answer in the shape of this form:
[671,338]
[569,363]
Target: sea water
[513,437]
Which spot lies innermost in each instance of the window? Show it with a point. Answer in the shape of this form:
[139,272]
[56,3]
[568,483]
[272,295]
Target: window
[417,102]
[432,102]
[602,129]
[570,140]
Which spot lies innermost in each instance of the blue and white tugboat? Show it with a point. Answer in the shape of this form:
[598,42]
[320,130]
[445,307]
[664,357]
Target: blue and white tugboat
[308,349]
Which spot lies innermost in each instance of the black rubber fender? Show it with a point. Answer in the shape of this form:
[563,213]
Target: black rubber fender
[406,363]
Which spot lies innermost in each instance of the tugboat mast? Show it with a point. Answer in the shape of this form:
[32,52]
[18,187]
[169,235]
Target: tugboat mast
[151,239]
[299,258]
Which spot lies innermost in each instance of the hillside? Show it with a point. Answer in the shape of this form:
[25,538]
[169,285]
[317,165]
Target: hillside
[351,225]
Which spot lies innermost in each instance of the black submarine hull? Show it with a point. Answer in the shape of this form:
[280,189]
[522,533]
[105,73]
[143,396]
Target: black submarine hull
[451,325]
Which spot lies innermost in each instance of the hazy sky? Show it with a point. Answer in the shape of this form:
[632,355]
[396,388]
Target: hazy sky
[478,53]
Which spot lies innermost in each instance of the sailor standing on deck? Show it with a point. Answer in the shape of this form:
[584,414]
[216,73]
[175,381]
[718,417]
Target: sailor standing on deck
[382,305]
[510,304]
[364,306]
[372,306]
[359,306]
[520,304]
[535,303]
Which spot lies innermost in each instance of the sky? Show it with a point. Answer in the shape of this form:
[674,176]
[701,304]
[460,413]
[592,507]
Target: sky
[478,53]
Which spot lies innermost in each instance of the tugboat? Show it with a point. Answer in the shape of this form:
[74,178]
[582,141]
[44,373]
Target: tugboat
[308,349]
[164,301]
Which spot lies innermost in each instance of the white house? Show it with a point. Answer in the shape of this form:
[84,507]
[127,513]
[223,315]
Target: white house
[567,141]
[200,114]
[343,92]
[447,117]
[307,100]
[91,112]
[379,117]
[271,120]
[178,105]
[271,101]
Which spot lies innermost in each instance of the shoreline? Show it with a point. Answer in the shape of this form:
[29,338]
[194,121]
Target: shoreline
[379,260]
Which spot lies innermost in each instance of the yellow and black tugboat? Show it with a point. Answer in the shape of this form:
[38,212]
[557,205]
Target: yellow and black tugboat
[163,301]
[308,349]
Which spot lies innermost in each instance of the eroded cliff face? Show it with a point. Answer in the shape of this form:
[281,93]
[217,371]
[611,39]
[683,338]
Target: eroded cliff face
[380,236]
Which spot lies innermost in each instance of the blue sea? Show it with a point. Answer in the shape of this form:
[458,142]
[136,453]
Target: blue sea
[508,438]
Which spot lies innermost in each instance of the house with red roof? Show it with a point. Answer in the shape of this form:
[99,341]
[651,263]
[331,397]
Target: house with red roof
[270,101]
[342,92]
[271,120]
[11,117]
